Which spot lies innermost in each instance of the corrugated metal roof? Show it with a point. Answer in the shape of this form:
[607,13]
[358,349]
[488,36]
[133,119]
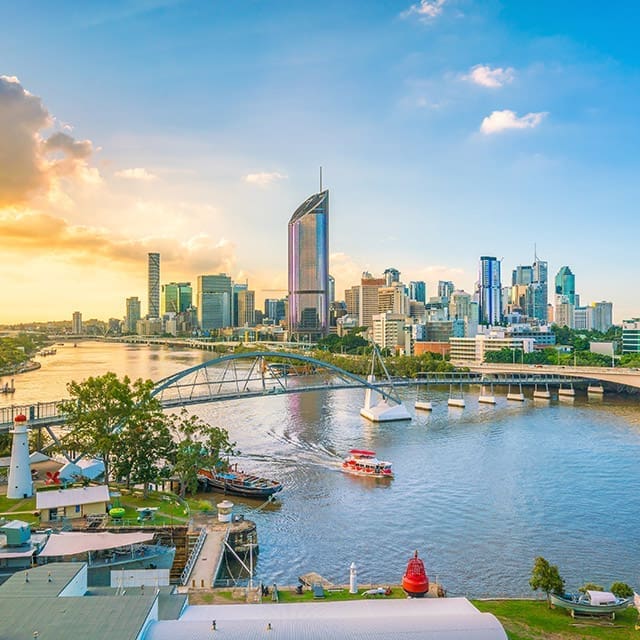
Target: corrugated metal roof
[48,580]
[71,497]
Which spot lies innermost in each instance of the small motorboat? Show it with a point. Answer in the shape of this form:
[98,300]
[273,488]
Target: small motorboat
[361,462]
[415,581]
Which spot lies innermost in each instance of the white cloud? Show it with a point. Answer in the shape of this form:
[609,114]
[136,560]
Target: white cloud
[264,178]
[137,173]
[502,120]
[425,10]
[485,76]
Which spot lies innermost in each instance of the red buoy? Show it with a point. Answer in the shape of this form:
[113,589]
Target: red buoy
[415,581]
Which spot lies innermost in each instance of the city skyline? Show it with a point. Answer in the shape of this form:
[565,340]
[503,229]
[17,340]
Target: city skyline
[181,142]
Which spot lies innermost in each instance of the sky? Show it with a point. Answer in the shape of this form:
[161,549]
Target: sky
[446,129]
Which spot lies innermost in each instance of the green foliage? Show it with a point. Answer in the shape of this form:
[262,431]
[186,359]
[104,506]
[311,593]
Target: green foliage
[546,577]
[15,351]
[621,590]
[590,586]
[103,414]
[199,445]
[350,343]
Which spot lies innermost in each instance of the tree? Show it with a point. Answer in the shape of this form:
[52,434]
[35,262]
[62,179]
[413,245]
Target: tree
[621,590]
[99,409]
[590,586]
[145,447]
[199,446]
[546,577]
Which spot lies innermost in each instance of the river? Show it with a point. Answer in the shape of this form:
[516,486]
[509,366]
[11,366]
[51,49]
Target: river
[480,491]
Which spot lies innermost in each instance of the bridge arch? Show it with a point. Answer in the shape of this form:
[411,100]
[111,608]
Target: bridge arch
[220,379]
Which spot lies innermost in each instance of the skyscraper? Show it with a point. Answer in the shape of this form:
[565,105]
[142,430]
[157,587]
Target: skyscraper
[418,291]
[132,314]
[76,323]
[489,290]
[445,289]
[214,301]
[566,284]
[176,297]
[309,268]
[391,276]
[539,291]
[153,285]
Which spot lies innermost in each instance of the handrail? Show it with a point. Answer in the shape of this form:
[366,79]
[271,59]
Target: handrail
[193,556]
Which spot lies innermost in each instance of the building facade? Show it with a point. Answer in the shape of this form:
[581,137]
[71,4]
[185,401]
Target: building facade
[153,285]
[76,323]
[418,291]
[214,301]
[490,291]
[132,314]
[309,268]
[602,316]
[176,297]
[566,285]
[631,335]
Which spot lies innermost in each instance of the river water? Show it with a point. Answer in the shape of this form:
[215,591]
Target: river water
[480,491]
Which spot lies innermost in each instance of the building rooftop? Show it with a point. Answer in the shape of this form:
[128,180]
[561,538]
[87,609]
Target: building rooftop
[311,203]
[70,497]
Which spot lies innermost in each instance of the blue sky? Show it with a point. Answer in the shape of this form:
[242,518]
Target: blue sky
[447,129]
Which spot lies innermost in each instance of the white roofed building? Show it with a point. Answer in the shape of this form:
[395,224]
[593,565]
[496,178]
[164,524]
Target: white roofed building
[71,503]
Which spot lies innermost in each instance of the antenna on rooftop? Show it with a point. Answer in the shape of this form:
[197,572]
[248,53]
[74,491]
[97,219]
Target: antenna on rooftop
[320,179]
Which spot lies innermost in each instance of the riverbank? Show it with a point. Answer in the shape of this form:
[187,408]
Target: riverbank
[23,367]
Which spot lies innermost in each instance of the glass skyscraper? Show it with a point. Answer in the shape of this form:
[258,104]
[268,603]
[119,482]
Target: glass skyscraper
[566,284]
[490,291]
[309,268]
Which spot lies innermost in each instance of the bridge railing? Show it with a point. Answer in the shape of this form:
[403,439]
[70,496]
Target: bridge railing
[33,412]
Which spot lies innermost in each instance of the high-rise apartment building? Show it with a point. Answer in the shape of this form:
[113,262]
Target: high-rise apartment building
[76,323]
[460,305]
[309,268]
[246,313]
[391,276]
[602,316]
[214,301]
[368,298]
[489,290]
[564,311]
[445,289]
[566,284]
[418,291]
[176,297]
[132,314]
[393,299]
[153,285]
[539,290]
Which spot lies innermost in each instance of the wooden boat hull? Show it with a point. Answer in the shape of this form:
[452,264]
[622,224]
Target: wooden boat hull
[585,608]
[238,486]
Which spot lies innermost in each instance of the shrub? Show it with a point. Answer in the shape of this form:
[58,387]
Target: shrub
[621,590]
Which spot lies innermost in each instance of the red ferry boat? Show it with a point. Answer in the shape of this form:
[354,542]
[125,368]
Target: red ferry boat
[415,581]
[361,462]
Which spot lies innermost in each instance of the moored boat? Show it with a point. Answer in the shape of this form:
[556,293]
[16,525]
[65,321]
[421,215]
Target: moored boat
[590,603]
[239,483]
[415,581]
[361,462]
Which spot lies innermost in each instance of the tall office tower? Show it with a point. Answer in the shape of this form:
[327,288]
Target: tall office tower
[418,291]
[235,291]
[132,314]
[214,301]
[332,289]
[175,297]
[246,313]
[76,323]
[309,268]
[602,316]
[539,292]
[368,298]
[522,275]
[153,285]
[391,276]
[566,284]
[489,290]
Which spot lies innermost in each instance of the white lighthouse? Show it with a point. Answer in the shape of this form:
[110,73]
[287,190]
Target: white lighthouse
[20,484]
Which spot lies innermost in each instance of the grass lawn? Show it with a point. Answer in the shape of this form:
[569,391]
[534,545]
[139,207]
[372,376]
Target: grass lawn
[533,620]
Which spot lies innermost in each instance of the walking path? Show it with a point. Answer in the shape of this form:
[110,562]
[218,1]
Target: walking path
[204,569]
